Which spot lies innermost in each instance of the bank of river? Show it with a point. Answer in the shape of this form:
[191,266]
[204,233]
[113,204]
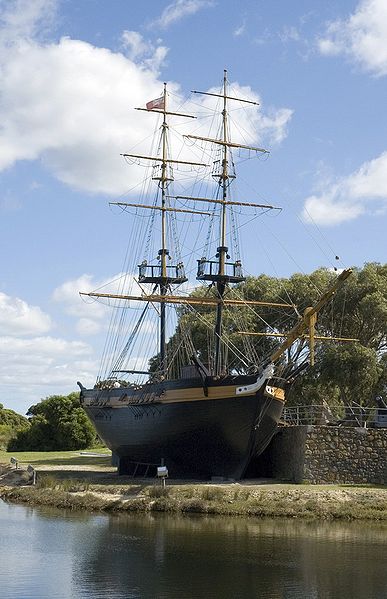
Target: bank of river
[84,490]
[48,553]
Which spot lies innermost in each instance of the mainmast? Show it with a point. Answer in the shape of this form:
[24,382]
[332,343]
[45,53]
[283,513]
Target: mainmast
[222,272]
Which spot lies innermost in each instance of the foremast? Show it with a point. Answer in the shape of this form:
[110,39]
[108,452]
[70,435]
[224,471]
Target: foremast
[162,275]
[163,281]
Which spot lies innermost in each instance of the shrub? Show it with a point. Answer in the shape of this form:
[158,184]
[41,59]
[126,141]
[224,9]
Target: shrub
[11,424]
[241,494]
[57,423]
[6,434]
[73,486]
[46,481]
[212,493]
[163,504]
[194,506]
[158,491]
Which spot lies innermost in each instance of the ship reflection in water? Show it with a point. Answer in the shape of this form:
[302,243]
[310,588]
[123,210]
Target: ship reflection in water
[51,554]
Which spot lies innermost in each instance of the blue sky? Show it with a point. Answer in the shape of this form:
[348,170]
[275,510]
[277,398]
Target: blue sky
[72,72]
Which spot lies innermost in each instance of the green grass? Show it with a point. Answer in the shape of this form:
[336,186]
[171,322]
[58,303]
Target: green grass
[57,458]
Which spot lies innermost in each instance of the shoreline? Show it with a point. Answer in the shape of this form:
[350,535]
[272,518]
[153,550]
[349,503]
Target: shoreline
[93,491]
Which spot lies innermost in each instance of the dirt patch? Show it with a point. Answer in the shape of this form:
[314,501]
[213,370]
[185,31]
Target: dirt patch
[10,477]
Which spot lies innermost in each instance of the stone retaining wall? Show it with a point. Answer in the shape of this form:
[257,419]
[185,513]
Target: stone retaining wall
[326,454]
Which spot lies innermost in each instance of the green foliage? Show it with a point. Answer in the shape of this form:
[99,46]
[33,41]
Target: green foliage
[11,418]
[158,491]
[46,481]
[6,434]
[353,372]
[11,424]
[347,372]
[213,493]
[354,369]
[57,423]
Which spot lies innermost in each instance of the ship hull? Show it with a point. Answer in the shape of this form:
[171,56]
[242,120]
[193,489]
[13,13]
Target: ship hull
[195,437]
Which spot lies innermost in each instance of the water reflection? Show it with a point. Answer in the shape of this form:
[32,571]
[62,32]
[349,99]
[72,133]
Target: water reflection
[51,554]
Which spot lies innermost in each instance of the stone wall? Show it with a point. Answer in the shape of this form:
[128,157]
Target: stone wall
[326,454]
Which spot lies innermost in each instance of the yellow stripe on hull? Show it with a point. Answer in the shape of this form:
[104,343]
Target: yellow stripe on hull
[171,396]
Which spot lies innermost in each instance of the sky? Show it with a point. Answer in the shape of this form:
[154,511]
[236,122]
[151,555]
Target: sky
[71,74]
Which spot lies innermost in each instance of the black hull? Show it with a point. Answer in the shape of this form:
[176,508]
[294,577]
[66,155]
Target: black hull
[194,439]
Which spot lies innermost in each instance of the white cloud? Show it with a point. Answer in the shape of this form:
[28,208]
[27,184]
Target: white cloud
[274,124]
[240,30]
[178,10]
[74,305]
[135,44]
[92,315]
[19,319]
[31,369]
[327,209]
[26,19]
[248,125]
[87,326]
[362,37]
[29,350]
[70,105]
[364,191]
[139,49]
[289,34]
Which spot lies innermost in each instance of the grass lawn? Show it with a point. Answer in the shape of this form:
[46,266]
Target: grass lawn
[57,458]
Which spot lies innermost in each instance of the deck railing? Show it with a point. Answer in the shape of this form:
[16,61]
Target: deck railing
[336,416]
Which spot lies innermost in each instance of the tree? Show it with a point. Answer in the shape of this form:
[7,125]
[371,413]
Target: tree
[352,372]
[355,370]
[11,418]
[11,423]
[56,423]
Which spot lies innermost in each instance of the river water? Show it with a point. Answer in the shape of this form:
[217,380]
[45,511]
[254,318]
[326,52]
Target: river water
[47,554]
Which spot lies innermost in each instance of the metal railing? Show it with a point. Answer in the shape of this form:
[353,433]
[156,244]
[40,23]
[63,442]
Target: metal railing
[336,416]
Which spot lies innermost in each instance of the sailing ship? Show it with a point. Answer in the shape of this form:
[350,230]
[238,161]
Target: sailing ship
[200,418]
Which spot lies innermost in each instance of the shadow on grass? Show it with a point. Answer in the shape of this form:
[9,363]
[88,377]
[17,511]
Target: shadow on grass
[362,486]
[75,461]
[102,479]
